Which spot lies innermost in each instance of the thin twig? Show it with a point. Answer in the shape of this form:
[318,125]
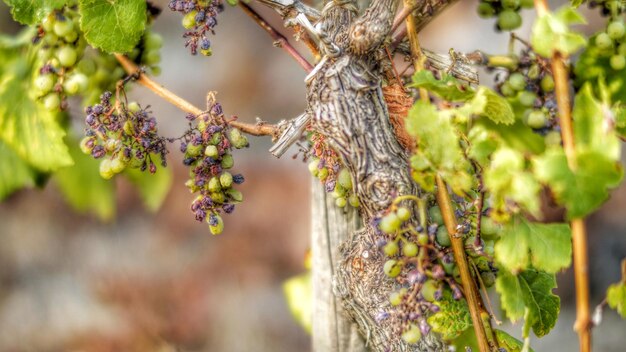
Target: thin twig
[279,40]
[579,236]
[404,13]
[132,69]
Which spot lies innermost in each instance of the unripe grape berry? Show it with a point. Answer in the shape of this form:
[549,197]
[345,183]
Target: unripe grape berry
[70,37]
[52,102]
[485,10]
[536,119]
[621,49]
[509,20]
[63,28]
[428,290]
[44,83]
[152,57]
[517,81]
[154,41]
[527,98]
[412,335]
[409,249]
[211,151]
[322,173]
[391,248]
[395,298]
[618,62]
[128,128]
[604,41]
[105,169]
[443,237]
[553,138]
[133,107]
[341,202]
[344,179]
[87,144]
[422,239]
[111,145]
[313,167]
[218,197]
[403,213]
[237,139]
[189,21]
[390,223]
[392,268]
[616,29]
[435,215]
[48,23]
[353,199]
[227,161]
[226,179]
[67,56]
[527,4]
[488,227]
[235,195]
[214,184]
[510,4]
[547,83]
[77,83]
[218,227]
[117,165]
[488,278]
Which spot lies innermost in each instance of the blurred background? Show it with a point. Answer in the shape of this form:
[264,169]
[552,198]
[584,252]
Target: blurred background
[159,281]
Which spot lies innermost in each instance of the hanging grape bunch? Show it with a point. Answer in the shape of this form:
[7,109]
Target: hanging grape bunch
[507,12]
[61,48]
[611,44]
[207,147]
[122,136]
[610,8]
[200,19]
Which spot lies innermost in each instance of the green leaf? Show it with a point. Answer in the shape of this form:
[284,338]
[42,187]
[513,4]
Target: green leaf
[29,129]
[583,191]
[508,342]
[496,108]
[540,305]
[551,33]
[452,319]
[616,298]
[590,126]
[113,25]
[517,136]
[546,246]
[153,188]
[82,186]
[448,87]
[14,172]
[298,292]
[30,12]
[593,66]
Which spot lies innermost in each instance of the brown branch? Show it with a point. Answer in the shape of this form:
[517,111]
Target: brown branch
[579,234]
[279,40]
[132,69]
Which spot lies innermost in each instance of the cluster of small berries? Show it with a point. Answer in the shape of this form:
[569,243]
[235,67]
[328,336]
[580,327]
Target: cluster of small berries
[200,18]
[507,12]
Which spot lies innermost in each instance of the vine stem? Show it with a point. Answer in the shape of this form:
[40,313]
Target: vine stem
[579,234]
[184,105]
[470,290]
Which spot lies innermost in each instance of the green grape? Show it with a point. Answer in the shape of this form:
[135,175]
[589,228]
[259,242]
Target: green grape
[536,119]
[553,138]
[391,248]
[547,83]
[189,21]
[117,165]
[616,30]
[422,239]
[227,161]
[133,107]
[153,41]
[604,41]
[76,83]
[226,179]
[618,62]
[236,195]
[428,290]
[409,249]
[395,298]
[313,167]
[403,213]
[112,145]
[392,268]
[70,37]
[443,237]
[211,151]
[527,4]
[237,139]
[412,335]
[485,10]
[527,98]
[50,39]
[435,214]
[353,199]
[506,90]
[517,81]
[67,56]
[510,4]
[44,84]
[341,202]
[206,52]
[390,223]
[153,57]
[48,23]
[533,71]
[217,228]
[87,144]
[448,267]
[509,20]
[621,49]
[218,197]
[322,173]
[488,227]
[63,28]
[214,184]
[488,278]
[105,169]
[344,179]
[52,102]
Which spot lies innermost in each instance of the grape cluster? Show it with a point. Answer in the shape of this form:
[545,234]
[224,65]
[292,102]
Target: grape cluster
[530,89]
[200,18]
[612,44]
[421,261]
[122,136]
[62,47]
[608,7]
[507,12]
[207,147]
[326,167]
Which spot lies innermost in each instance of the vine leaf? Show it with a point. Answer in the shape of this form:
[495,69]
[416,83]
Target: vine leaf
[14,172]
[30,12]
[153,188]
[551,33]
[447,87]
[495,107]
[95,194]
[452,319]
[529,294]
[506,341]
[29,129]
[547,247]
[616,298]
[594,66]
[583,191]
[113,25]
[298,294]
